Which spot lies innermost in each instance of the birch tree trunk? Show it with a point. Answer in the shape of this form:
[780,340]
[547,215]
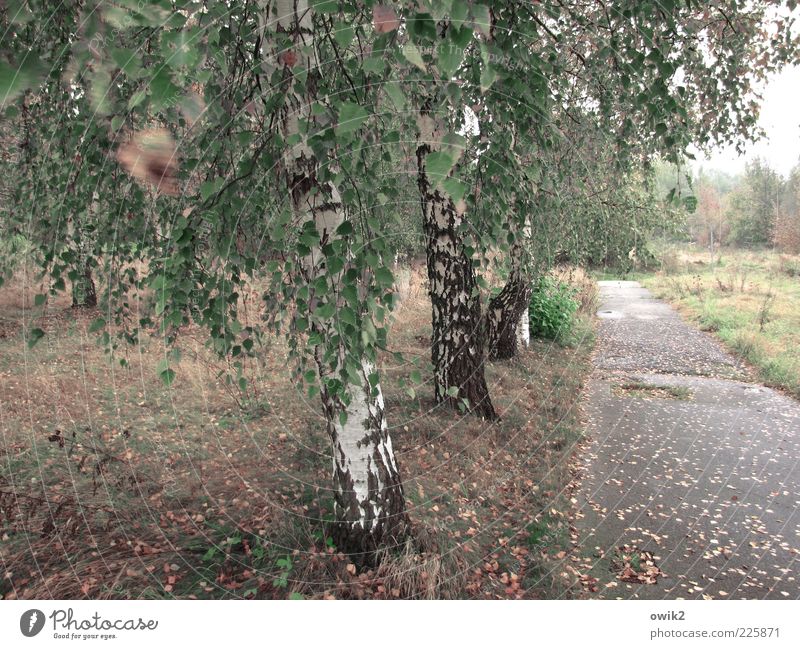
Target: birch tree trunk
[368,493]
[84,292]
[524,329]
[507,318]
[507,324]
[457,339]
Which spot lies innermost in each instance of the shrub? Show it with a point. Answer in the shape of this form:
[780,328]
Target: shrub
[786,233]
[552,309]
[586,292]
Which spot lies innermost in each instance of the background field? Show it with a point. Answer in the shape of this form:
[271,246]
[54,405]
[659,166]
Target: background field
[749,299]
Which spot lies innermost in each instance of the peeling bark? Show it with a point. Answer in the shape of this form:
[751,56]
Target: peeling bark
[524,329]
[507,326]
[84,291]
[368,492]
[457,339]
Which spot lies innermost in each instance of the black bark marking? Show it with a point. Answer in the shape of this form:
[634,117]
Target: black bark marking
[503,314]
[457,338]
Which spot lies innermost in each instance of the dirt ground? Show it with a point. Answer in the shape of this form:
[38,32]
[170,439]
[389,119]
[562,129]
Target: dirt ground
[115,486]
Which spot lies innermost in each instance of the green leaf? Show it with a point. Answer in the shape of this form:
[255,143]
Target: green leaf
[345,229]
[209,187]
[455,143]
[449,57]
[452,391]
[162,91]
[351,117]
[100,87]
[325,311]
[343,34]
[127,60]
[136,99]
[97,325]
[413,56]
[325,6]
[438,164]
[458,13]
[34,337]
[384,276]
[15,81]
[455,188]
[182,49]
[167,376]
[40,299]
[395,93]
[482,19]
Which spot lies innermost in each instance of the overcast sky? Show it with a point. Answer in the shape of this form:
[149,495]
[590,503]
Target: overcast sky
[780,118]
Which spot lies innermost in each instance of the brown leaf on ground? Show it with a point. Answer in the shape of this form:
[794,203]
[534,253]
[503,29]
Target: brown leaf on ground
[636,566]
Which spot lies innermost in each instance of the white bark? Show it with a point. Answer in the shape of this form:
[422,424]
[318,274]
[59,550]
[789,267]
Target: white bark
[523,326]
[524,331]
[355,451]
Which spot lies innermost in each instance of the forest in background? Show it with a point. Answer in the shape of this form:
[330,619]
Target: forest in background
[758,208]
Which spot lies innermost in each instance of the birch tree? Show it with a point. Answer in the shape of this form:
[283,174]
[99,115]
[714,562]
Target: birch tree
[370,508]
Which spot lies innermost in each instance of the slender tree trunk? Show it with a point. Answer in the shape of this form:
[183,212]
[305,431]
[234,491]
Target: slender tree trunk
[457,338]
[524,329]
[507,318]
[368,492]
[507,326]
[84,292]
[370,508]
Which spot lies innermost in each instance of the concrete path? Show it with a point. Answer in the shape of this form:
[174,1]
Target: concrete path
[691,480]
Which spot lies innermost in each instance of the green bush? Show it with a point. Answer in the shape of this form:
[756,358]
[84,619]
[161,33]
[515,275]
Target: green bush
[552,309]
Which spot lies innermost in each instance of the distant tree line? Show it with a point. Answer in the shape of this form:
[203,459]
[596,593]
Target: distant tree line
[755,209]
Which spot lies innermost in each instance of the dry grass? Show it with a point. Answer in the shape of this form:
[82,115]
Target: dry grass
[642,390]
[113,485]
[587,291]
[749,299]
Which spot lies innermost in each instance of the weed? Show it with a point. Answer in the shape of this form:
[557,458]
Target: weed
[644,390]
[751,302]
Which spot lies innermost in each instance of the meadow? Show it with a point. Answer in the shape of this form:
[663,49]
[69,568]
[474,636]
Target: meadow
[749,299]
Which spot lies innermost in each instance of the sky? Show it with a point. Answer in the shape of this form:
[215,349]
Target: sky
[780,118]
